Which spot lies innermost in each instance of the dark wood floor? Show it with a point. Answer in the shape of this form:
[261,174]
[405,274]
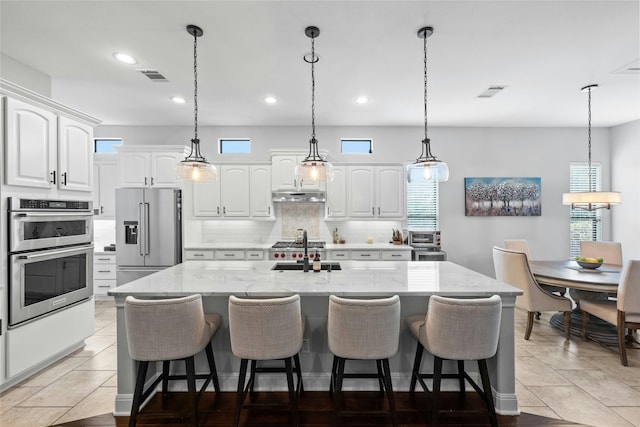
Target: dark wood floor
[315,411]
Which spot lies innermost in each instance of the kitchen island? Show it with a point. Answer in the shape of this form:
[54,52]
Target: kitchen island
[414,282]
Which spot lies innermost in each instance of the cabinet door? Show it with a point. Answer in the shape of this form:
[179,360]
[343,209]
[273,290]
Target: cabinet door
[260,191]
[390,192]
[164,169]
[234,184]
[206,199]
[360,188]
[283,173]
[106,190]
[75,155]
[133,169]
[336,204]
[31,149]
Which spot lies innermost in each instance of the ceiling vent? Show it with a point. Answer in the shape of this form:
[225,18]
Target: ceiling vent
[154,75]
[632,68]
[491,91]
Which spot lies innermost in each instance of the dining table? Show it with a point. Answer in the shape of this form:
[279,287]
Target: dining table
[583,283]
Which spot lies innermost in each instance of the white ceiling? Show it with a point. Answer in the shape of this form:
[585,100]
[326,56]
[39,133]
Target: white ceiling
[543,51]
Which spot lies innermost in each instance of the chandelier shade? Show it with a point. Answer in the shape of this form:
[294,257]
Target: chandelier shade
[314,168]
[591,200]
[427,166]
[195,167]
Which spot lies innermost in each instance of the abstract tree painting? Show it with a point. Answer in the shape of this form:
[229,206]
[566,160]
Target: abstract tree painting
[502,196]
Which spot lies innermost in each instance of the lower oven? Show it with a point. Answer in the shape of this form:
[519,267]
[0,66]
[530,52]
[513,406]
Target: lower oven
[428,255]
[43,281]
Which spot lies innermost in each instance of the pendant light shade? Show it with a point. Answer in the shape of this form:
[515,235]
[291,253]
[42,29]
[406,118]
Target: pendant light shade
[195,167]
[427,166]
[591,200]
[314,168]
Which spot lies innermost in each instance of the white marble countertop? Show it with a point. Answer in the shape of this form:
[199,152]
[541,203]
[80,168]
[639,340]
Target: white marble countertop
[357,278]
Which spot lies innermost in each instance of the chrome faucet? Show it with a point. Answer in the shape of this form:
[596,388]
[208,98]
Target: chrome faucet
[305,260]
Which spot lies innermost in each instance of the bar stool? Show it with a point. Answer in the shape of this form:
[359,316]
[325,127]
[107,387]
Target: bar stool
[457,329]
[266,329]
[363,330]
[167,330]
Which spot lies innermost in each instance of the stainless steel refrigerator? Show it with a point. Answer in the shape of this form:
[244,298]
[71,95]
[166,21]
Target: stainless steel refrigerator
[148,231]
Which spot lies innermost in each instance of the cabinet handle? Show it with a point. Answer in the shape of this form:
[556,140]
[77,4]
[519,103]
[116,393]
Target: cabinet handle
[328,210]
[198,254]
[101,209]
[102,259]
[373,210]
[395,255]
[104,286]
[269,210]
[151,180]
[218,209]
[224,210]
[365,254]
[145,180]
[378,210]
[53,177]
[229,255]
[104,271]
[64,176]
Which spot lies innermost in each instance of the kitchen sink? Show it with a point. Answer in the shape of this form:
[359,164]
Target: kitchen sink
[296,266]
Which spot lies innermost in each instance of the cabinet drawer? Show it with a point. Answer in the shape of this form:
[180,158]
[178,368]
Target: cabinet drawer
[104,271]
[195,254]
[104,259]
[255,255]
[339,255]
[365,255]
[229,255]
[101,287]
[396,255]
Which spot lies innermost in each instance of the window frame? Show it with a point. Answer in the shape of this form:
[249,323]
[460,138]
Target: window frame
[343,140]
[222,140]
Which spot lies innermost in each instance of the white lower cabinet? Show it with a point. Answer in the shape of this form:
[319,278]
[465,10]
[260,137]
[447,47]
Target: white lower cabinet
[338,255]
[196,254]
[367,255]
[104,275]
[255,255]
[396,255]
[224,254]
[370,255]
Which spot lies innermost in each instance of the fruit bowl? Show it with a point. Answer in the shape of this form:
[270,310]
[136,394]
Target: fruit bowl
[590,265]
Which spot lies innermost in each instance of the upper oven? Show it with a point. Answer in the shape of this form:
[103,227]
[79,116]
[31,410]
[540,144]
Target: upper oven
[40,224]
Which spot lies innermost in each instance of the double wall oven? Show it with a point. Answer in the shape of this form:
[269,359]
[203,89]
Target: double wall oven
[50,256]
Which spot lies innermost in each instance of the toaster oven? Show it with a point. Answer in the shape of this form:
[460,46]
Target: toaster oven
[424,239]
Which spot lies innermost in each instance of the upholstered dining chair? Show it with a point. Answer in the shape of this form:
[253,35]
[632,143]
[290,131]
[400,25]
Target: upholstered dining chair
[624,313]
[266,329]
[363,329]
[457,329]
[611,252]
[167,330]
[512,267]
[521,245]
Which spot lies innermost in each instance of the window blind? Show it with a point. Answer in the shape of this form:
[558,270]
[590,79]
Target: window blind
[422,204]
[584,225]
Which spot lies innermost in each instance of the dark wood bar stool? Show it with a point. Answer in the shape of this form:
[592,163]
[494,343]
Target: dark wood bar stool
[167,330]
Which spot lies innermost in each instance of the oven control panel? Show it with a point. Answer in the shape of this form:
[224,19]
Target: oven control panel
[16,204]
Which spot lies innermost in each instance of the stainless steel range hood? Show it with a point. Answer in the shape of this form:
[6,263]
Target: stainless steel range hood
[290,196]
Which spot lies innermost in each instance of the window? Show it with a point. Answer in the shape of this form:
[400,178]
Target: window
[356,146]
[105,145]
[422,204]
[234,146]
[584,225]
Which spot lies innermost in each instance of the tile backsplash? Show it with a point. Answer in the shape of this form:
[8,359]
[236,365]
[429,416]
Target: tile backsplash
[301,215]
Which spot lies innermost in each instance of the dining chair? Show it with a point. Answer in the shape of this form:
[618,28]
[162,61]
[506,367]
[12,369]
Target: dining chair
[521,245]
[611,252]
[167,330]
[512,267]
[623,312]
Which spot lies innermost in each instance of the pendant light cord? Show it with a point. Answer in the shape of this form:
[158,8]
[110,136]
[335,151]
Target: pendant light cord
[425,87]
[589,137]
[313,90]
[196,141]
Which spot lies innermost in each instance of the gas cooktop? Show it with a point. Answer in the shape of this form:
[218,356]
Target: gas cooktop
[298,245]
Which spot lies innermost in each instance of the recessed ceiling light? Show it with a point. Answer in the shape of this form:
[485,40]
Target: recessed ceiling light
[270,99]
[178,99]
[124,58]
[362,100]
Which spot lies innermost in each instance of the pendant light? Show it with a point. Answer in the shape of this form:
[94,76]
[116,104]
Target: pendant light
[195,167]
[427,165]
[314,168]
[591,200]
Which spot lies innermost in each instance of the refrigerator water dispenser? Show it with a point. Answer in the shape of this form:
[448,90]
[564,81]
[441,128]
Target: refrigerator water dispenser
[131,232]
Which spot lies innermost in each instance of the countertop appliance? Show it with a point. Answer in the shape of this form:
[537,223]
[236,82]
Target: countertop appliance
[291,250]
[50,256]
[148,231]
[426,245]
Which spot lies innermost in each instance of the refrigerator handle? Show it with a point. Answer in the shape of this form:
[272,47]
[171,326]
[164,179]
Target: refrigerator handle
[147,243]
[142,230]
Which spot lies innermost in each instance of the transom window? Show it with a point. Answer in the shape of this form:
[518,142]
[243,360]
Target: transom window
[105,145]
[234,146]
[356,146]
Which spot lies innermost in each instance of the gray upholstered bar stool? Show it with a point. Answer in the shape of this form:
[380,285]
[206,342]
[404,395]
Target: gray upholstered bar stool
[167,330]
[363,329]
[266,329]
[457,329]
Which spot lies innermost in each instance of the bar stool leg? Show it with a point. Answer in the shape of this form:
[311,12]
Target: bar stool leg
[390,396]
[416,367]
[137,394]
[165,377]
[437,377]
[334,372]
[337,391]
[380,376]
[461,379]
[240,391]
[488,394]
[191,387]
[296,359]
[292,392]
[212,367]
[252,377]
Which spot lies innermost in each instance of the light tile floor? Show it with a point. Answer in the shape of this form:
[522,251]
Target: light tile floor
[581,382]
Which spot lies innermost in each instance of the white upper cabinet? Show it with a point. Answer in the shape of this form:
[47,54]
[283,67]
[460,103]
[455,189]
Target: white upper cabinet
[283,174]
[234,185]
[336,204]
[31,146]
[149,166]
[260,200]
[75,155]
[104,182]
[206,199]
[375,191]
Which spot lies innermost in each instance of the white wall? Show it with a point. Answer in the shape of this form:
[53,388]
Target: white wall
[25,76]
[625,177]
[470,152]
